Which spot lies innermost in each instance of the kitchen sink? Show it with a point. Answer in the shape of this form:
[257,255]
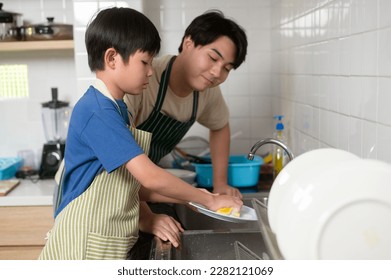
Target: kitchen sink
[212,245]
[206,238]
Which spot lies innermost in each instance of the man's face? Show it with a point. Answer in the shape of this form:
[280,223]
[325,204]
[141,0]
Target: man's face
[209,65]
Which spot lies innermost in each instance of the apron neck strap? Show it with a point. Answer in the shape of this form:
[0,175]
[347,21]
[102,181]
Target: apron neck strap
[164,81]
[164,84]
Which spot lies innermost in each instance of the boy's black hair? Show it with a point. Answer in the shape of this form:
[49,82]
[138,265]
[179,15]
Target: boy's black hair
[123,29]
[210,26]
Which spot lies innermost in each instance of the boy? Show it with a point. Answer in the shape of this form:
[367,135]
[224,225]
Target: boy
[104,160]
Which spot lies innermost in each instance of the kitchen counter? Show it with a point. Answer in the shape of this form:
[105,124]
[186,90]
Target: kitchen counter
[28,193]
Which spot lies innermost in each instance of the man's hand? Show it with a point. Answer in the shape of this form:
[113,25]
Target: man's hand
[228,190]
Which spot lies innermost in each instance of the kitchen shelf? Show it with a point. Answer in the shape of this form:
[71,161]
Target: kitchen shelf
[36,45]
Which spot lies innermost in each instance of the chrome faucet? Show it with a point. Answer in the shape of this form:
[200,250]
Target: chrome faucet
[262,142]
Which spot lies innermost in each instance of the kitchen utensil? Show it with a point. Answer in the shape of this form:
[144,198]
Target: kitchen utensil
[342,212]
[192,158]
[246,214]
[7,185]
[49,30]
[192,145]
[55,117]
[8,21]
[241,172]
[28,159]
[300,168]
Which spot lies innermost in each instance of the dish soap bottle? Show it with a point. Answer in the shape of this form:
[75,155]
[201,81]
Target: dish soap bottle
[279,155]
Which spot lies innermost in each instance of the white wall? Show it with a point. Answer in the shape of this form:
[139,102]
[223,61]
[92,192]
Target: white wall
[332,74]
[20,120]
[247,90]
[324,64]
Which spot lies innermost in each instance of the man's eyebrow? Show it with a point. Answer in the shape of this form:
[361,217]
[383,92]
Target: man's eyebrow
[219,54]
[216,51]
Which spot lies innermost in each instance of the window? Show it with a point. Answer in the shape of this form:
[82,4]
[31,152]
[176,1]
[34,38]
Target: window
[13,81]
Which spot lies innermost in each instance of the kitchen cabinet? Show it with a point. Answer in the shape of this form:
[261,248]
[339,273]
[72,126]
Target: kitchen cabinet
[26,215]
[36,45]
[23,230]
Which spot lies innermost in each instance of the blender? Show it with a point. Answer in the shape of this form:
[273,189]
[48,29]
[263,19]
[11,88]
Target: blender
[55,118]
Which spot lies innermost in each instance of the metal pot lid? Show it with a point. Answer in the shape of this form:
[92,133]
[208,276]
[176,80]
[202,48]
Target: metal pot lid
[50,26]
[50,23]
[6,17]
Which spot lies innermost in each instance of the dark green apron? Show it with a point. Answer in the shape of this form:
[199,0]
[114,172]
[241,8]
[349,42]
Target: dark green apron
[167,132]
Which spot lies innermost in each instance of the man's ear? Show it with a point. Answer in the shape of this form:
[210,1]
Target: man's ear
[110,57]
[187,43]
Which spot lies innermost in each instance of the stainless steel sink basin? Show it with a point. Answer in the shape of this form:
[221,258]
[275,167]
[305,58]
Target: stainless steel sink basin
[216,245]
[206,238]
[213,245]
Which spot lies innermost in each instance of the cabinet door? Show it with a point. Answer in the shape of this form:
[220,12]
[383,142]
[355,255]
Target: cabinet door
[23,230]
[20,253]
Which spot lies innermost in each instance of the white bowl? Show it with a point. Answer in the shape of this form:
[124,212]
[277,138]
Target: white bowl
[343,212]
[299,168]
[186,175]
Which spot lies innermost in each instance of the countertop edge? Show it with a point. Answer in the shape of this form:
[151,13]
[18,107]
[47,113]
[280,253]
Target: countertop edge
[29,193]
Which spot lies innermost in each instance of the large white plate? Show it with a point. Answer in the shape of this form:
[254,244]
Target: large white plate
[342,213]
[247,214]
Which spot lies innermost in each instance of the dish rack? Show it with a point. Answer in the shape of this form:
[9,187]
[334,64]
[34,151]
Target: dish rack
[244,253]
[273,252]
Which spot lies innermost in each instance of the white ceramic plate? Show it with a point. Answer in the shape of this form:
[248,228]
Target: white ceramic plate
[247,214]
[342,213]
[291,177]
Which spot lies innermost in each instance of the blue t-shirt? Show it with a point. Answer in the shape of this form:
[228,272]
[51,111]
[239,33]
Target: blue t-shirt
[98,140]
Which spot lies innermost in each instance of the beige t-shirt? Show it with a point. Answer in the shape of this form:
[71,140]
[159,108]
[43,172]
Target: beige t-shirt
[212,110]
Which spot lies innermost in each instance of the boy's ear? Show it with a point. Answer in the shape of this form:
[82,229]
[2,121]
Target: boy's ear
[110,57]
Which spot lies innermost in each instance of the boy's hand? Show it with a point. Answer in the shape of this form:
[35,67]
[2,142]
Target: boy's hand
[162,226]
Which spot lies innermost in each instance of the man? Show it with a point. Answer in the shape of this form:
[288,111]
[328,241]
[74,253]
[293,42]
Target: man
[184,89]
[211,47]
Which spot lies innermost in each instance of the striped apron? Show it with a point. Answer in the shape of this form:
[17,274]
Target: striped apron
[102,223]
[167,131]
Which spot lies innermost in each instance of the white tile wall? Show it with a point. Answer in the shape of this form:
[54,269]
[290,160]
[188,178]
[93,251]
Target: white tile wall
[247,90]
[341,49]
[324,64]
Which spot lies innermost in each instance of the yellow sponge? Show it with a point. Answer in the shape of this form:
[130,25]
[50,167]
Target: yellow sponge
[225,210]
[228,211]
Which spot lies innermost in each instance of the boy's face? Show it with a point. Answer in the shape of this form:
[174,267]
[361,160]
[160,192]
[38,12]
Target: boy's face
[133,77]
[209,65]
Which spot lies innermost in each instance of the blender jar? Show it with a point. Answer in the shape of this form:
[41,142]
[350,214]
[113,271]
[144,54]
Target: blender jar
[55,118]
